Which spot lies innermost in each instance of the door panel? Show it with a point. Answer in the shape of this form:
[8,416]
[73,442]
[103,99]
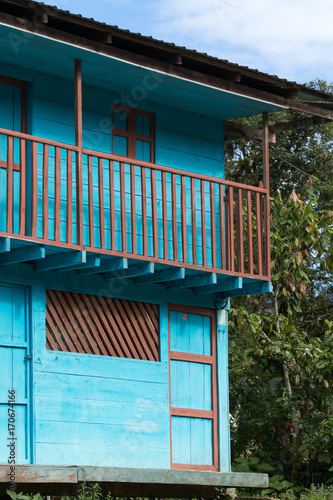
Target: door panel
[193,399]
[15,370]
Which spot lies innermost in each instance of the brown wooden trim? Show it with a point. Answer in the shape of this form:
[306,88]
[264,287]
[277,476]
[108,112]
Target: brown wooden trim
[57,194]
[154,212]
[249,232]
[174,218]
[9,201]
[90,203]
[183,219]
[203,223]
[259,233]
[23,186]
[133,210]
[222,227]
[193,222]
[165,219]
[39,140]
[78,149]
[213,224]
[239,232]
[122,207]
[144,212]
[192,413]
[194,467]
[266,198]
[112,207]
[69,215]
[34,160]
[194,358]
[46,191]
[15,166]
[101,203]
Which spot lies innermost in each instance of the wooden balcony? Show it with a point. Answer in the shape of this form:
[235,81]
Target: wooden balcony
[61,195]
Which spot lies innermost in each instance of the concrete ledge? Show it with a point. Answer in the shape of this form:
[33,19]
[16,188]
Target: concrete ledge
[56,480]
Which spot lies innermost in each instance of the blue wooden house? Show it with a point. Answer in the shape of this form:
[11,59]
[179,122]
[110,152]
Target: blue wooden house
[121,243]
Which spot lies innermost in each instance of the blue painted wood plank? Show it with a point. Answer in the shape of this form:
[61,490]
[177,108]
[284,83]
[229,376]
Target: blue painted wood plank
[162,276]
[62,260]
[92,261]
[23,254]
[195,280]
[111,264]
[249,289]
[4,245]
[229,285]
[132,272]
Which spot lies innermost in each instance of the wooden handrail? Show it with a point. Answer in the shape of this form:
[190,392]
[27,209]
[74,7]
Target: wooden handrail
[32,138]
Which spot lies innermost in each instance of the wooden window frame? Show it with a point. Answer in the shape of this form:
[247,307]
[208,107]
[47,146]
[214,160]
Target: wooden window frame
[186,412]
[130,134]
[13,82]
[23,86]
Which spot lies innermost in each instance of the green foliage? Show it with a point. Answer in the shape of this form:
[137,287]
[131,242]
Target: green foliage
[281,364]
[20,496]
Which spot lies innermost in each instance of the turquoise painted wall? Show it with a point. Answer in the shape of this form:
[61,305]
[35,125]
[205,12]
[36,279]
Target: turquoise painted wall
[98,410]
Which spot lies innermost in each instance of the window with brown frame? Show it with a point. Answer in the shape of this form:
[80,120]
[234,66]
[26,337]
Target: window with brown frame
[133,133]
[91,324]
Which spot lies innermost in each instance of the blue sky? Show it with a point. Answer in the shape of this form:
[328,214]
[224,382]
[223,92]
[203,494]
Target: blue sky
[290,38]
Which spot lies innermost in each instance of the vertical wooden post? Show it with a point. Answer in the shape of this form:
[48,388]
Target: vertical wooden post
[78,143]
[267,250]
[223,389]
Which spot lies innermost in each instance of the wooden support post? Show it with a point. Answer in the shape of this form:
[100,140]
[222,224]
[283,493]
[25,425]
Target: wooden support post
[78,143]
[267,251]
[223,389]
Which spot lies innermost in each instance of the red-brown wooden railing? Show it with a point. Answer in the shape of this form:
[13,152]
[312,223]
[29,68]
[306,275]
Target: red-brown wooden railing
[130,208]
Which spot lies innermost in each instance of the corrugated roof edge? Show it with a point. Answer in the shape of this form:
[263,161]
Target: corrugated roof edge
[204,57]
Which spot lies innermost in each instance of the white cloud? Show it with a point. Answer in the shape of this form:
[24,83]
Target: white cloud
[291,38]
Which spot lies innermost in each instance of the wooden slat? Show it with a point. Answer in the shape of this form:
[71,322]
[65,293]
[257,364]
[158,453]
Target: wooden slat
[76,309]
[108,338]
[96,329]
[213,223]
[34,160]
[133,210]
[90,204]
[84,306]
[165,217]
[61,322]
[239,232]
[193,223]
[259,233]
[73,321]
[112,207]
[55,334]
[126,350]
[58,330]
[45,191]
[122,207]
[10,161]
[123,314]
[154,213]
[203,223]
[69,218]
[57,193]
[231,245]
[194,358]
[267,228]
[249,231]
[23,186]
[222,226]
[147,328]
[174,218]
[153,315]
[187,412]
[101,203]
[183,218]
[144,212]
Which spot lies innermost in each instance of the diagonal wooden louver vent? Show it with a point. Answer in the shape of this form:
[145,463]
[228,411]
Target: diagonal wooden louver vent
[76,322]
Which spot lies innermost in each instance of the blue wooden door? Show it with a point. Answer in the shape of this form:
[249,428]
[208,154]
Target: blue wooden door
[15,374]
[193,397]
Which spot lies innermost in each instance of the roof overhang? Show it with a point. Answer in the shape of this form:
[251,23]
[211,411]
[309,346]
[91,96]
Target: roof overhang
[194,81]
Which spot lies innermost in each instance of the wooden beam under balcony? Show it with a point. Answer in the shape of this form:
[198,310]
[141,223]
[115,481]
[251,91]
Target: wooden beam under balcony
[112,264]
[131,272]
[66,260]
[225,285]
[24,254]
[196,280]
[4,245]
[172,274]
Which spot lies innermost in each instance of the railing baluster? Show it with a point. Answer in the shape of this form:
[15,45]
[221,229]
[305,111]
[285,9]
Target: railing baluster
[213,224]
[101,203]
[112,213]
[34,160]
[90,204]
[249,232]
[259,232]
[144,212]
[267,223]
[194,223]
[69,235]
[174,218]
[45,192]
[184,227]
[231,230]
[165,217]
[239,233]
[133,210]
[23,186]
[57,194]
[154,213]
[203,222]
[10,162]
[122,207]
[222,226]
